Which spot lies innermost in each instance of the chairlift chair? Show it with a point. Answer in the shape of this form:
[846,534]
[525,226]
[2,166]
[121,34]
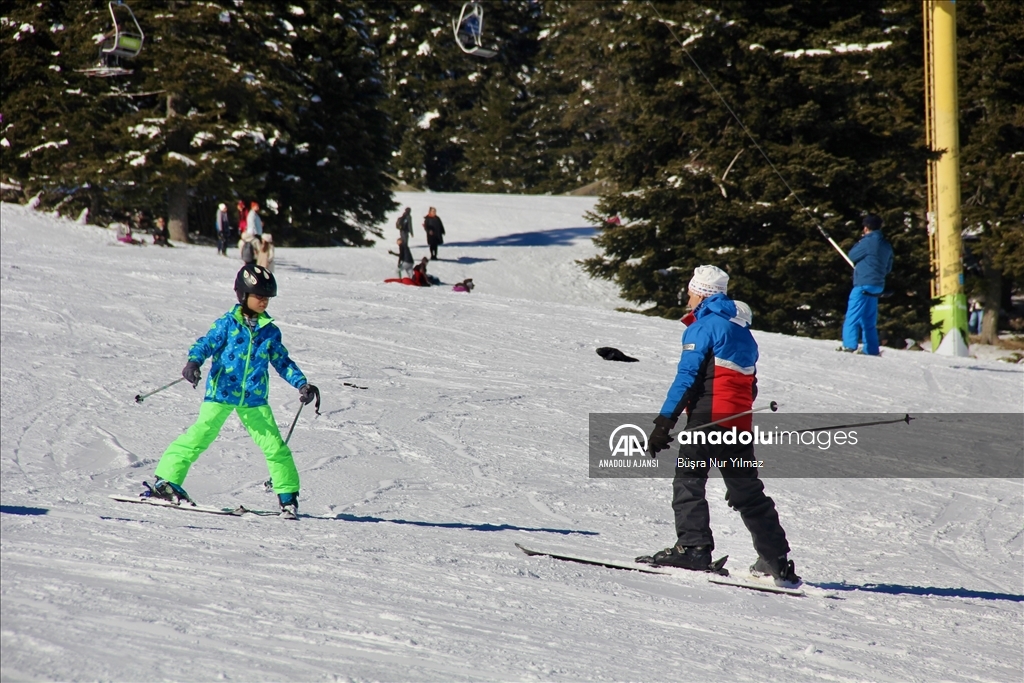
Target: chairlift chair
[124,41]
[127,38]
[469,31]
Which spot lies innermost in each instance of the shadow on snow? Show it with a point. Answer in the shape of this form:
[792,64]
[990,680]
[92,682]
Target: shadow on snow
[896,589]
[537,238]
[20,510]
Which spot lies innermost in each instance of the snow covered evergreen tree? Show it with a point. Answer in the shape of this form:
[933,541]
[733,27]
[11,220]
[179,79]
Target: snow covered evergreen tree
[831,92]
[276,102]
[991,80]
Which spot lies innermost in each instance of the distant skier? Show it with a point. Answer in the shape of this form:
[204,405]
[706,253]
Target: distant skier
[223,228]
[244,342]
[243,217]
[248,248]
[404,225]
[254,224]
[405,263]
[162,236]
[873,258]
[716,378]
[265,252]
[434,229]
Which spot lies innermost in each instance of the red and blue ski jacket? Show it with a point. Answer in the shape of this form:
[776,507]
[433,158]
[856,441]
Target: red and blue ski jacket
[716,376]
[242,356]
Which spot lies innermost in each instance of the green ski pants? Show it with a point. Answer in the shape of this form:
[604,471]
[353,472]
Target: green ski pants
[259,421]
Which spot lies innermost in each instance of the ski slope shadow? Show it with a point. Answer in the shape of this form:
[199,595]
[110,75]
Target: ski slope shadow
[459,525]
[554,237]
[20,510]
[896,589]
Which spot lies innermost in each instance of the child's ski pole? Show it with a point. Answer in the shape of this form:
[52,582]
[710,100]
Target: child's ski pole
[139,398]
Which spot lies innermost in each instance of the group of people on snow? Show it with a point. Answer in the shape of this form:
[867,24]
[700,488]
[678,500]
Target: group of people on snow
[255,246]
[410,272]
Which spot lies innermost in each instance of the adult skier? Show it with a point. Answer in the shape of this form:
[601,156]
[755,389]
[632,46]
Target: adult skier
[872,256]
[716,378]
[243,342]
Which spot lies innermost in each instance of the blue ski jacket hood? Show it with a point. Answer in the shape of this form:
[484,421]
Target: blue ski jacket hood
[242,357]
[872,258]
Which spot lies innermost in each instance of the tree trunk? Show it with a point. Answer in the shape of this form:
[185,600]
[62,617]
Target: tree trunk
[993,297]
[177,192]
[177,211]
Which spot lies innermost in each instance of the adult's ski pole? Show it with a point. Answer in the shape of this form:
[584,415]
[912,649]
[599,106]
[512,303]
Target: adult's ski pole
[139,398]
[773,406]
[833,243]
[906,419]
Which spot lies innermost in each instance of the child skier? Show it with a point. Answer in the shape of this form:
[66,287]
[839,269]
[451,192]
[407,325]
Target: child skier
[243,343]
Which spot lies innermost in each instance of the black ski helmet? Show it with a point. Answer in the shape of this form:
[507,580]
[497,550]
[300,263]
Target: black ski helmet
[252,279]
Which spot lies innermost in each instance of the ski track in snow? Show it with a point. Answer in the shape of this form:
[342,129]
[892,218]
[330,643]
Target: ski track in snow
[471,436]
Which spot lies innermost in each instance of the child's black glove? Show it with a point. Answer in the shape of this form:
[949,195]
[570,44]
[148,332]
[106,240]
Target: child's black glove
[307,393]
[191,373]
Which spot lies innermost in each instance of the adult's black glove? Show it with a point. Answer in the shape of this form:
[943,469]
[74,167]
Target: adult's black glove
[660,437]
[308,393]
[191,373]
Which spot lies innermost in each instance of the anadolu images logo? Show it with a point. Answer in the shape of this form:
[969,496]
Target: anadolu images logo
[628,444]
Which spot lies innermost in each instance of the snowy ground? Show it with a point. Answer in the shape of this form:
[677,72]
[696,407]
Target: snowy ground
[470,437]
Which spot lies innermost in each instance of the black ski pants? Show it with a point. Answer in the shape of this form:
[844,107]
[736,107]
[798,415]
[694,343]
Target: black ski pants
[743,491]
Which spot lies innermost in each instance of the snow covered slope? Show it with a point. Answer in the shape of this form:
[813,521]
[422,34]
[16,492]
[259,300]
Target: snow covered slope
[470,436]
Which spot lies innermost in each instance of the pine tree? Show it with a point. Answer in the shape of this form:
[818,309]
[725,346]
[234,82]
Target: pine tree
[276,102]
[831,93]
[991,80]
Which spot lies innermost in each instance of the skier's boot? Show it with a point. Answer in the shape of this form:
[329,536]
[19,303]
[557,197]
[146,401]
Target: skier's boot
[166,490]
[783,571]
[697,558]
[289,505]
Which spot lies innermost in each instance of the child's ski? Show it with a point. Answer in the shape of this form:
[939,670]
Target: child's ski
[160,502]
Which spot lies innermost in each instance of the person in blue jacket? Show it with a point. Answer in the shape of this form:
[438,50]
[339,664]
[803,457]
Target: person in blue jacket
[717,378]
[872,258]
[244,343]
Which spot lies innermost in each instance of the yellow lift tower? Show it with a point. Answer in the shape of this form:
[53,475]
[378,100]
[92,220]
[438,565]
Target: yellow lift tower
[941,110]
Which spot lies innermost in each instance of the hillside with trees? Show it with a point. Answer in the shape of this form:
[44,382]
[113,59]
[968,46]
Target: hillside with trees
[718,131]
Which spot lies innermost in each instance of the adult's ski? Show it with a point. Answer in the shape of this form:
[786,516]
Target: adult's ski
[765,584]
[717,567]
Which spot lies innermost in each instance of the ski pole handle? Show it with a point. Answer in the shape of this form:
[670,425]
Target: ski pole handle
[292,428]
[773,406]
[139,398]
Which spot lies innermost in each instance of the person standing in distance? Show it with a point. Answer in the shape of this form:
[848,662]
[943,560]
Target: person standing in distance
[223,227]
[716,378]
[872,258]
[254,224]
[434,228]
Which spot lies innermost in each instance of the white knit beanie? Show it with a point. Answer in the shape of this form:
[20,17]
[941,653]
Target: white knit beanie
[708,280]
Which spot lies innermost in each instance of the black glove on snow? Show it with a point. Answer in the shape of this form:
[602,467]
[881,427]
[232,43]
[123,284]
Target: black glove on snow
[660,437]
[191,373]
[307,393]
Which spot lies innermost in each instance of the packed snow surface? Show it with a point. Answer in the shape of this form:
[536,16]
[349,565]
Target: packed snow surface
[470,436]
